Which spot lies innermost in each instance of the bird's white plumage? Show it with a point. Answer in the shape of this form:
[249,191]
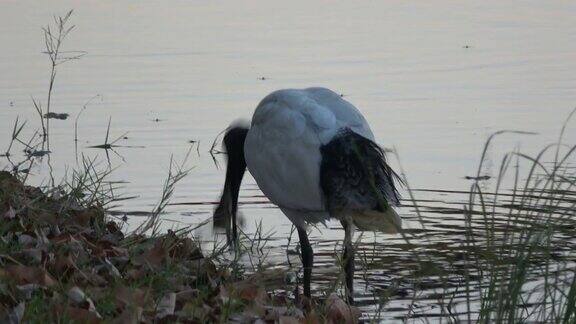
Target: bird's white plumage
[282,148]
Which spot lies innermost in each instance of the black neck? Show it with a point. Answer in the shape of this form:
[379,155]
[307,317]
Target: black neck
[236,166]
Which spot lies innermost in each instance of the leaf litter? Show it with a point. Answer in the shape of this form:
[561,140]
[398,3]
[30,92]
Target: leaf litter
[63,260]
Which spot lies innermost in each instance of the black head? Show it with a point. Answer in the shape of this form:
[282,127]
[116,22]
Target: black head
[225,213]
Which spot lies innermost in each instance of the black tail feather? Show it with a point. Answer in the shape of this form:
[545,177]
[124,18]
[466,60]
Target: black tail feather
[354,174]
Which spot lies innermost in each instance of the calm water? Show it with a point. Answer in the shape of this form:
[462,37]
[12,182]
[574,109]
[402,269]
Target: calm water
[433,78]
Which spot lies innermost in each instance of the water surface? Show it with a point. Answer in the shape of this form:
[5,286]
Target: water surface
[433,78]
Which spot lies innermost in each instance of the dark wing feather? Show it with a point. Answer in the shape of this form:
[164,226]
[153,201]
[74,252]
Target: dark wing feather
[354,174]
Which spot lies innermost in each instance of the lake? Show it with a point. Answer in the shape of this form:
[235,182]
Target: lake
[434,79]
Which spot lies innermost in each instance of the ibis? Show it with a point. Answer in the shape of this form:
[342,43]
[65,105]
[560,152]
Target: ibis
[313,154]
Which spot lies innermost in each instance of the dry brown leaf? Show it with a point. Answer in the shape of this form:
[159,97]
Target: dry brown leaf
[9,183]
[153,257]
[186,249]
[135,274]
[79,315]
[288,320]
[130,315]
[64,263]
[187,295]
[43,216]
[246,290]
[93,279]
[130,296]
[63,238]
[103,248]
[30,275]
[84,217]
[270,278]
[112,227]
[337,311]
[116,251]
[250,291]
[311,318]
[202,268]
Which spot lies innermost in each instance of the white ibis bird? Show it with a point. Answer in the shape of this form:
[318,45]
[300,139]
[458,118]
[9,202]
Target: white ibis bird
[313,154]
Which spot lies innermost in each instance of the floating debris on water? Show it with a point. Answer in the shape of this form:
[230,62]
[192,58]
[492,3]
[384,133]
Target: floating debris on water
[480,178]
[37,153]
[53,115]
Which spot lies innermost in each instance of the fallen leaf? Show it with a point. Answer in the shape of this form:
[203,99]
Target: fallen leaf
[130,315]
[153,257]
[337,311]
[135,274]
[77,314]
[273,278]
[92,279]
[201,268]
[130,296]
[30,275]
[63,238]
[64,263]
[84,217]
[250,291]
[185,249]
[288,320]
[311,318]
[187,295]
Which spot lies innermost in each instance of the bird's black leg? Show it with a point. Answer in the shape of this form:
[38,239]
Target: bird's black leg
[307,259]
[348,258]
